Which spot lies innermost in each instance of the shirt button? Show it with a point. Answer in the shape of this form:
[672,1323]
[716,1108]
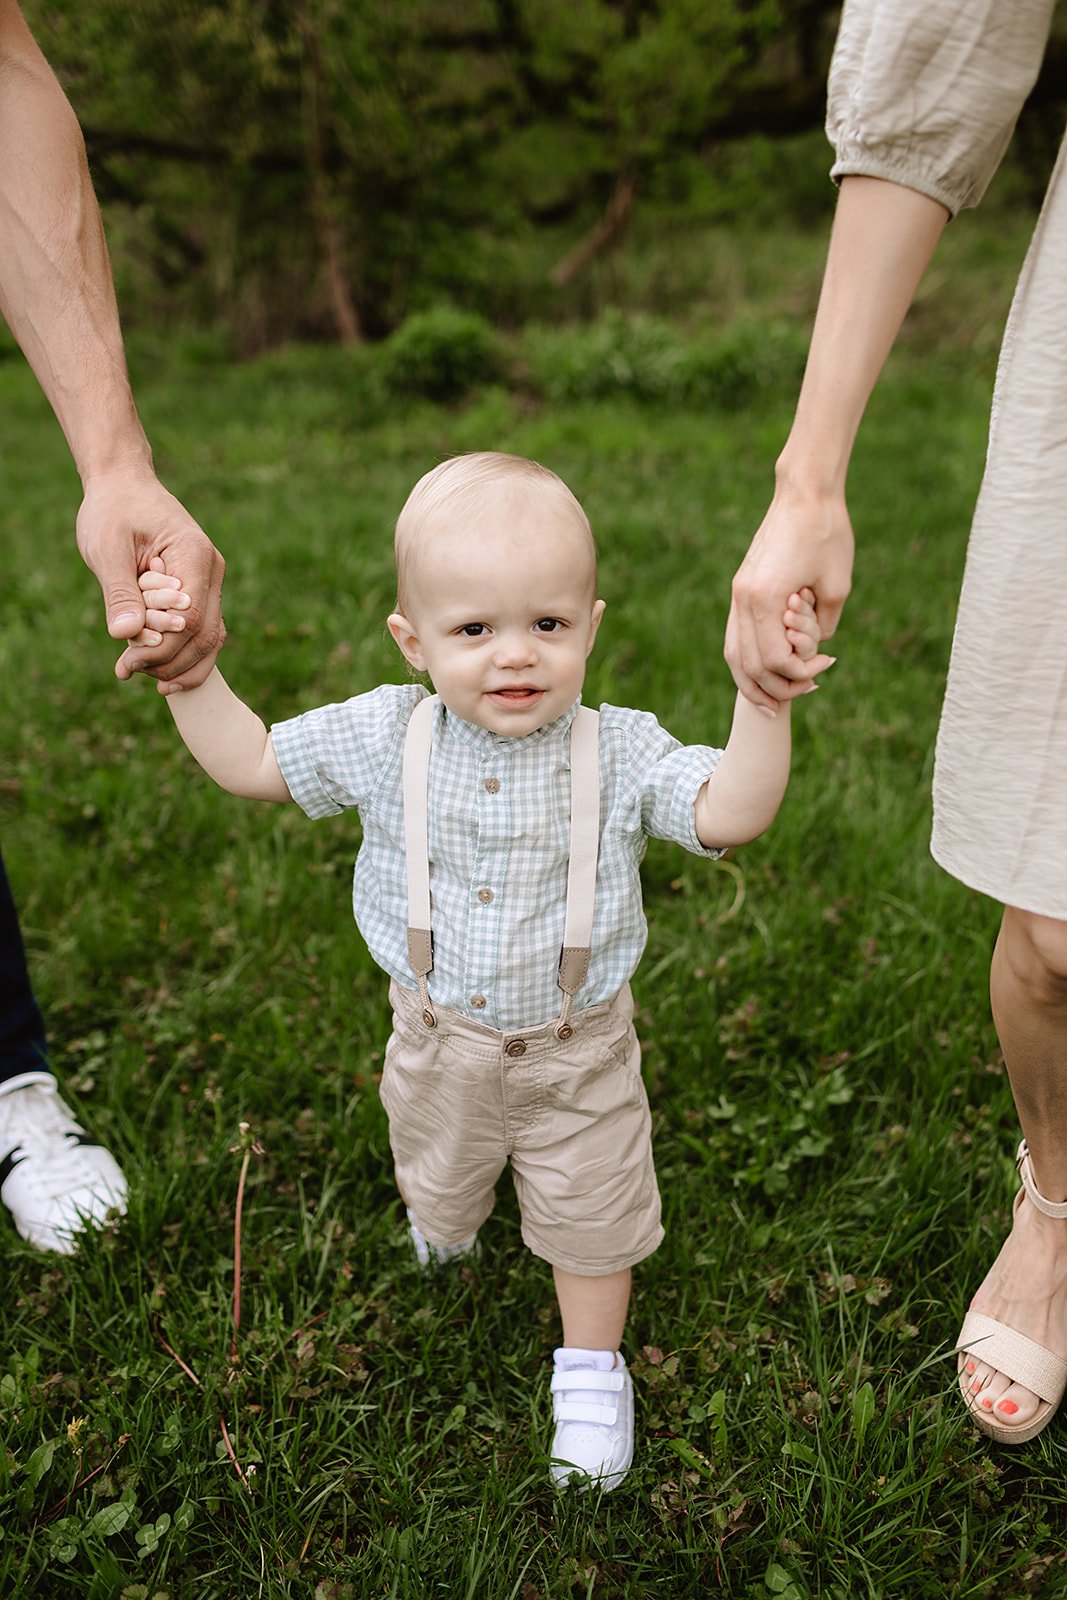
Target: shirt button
[515,1047]
[485,896]
[492,785]
[478,1002]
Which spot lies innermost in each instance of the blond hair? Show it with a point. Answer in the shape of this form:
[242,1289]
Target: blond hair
[458,486]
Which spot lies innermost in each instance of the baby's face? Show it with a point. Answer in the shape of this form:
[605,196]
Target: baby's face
[502,613]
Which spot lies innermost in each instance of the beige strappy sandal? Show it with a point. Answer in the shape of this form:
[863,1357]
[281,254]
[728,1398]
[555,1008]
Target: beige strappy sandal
[1012,1353]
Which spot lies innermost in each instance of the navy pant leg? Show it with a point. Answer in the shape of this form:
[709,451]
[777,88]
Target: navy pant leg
[22,1041]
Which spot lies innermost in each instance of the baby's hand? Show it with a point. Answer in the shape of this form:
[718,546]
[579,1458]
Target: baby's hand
[164,601]
[801,624]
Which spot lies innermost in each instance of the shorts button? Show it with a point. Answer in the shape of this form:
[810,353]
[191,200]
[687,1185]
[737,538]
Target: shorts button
[429,1019]
[515,1047]
[492,785]
[478,1002]
[564,1031]
[485,896]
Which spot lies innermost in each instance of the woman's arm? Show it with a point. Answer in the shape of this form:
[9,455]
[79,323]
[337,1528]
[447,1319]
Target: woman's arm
[882,239]
[922,99]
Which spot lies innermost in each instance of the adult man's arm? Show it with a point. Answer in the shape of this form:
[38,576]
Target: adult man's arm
[57,296]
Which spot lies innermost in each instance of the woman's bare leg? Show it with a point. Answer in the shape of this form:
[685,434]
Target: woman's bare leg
[1026,1287]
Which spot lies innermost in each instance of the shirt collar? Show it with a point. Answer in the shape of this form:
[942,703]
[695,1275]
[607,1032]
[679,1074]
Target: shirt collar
[483,739]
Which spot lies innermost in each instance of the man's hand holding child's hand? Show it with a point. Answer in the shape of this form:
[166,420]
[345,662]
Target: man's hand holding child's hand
[164,600]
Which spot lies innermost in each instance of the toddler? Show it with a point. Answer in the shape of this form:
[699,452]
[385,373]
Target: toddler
[498,886]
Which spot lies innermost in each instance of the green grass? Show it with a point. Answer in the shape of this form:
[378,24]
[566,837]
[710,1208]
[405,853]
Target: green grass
[833,1124]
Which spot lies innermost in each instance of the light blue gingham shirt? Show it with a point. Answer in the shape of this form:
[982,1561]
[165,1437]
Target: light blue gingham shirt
[499,840]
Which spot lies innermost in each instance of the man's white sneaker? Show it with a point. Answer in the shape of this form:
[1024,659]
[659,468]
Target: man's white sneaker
[593,1409]
[435,1255]
[54,1179]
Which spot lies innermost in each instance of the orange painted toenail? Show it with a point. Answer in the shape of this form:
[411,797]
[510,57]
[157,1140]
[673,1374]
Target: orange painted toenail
[989,1405]
[977,1384]
[1008,1407]
[971,1367]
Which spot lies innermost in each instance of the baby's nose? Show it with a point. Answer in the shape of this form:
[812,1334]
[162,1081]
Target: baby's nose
[515,650]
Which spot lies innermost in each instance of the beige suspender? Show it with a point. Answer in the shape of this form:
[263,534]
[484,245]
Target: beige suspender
[581,866]
[416,775]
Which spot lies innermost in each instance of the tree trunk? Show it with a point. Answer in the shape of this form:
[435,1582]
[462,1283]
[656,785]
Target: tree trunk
[324,214]
[600,237]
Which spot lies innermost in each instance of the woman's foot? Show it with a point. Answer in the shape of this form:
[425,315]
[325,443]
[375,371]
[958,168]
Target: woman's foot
[1025,1293]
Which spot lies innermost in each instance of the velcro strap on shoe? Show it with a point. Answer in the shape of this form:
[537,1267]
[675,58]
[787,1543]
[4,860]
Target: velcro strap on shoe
[585,1411]
[587,1378]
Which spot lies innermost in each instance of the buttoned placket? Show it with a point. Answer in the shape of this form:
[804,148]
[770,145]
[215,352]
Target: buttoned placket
[491,805]
[492,850]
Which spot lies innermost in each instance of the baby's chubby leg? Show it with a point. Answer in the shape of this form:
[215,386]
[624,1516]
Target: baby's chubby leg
[592,1394]
[593,1309]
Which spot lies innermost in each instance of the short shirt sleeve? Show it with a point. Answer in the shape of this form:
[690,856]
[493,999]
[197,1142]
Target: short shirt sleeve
[666,777]
[333,757]
[925,93]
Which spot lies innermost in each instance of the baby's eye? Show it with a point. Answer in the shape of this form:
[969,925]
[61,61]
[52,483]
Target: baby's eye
[473,630]
[547,625]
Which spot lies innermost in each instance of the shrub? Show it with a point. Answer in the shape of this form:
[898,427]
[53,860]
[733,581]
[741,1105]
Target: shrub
[616,355]
[743,360]
[649,359]
[441,354]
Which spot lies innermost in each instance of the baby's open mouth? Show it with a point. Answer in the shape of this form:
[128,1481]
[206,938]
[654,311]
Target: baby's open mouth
[524,693]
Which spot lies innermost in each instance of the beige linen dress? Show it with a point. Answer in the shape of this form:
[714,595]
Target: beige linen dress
[925,93]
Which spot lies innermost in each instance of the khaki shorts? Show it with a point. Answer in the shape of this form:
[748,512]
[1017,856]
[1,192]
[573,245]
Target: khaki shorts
[572,1117]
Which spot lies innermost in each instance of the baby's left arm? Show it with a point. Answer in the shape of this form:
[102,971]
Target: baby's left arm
[741,798]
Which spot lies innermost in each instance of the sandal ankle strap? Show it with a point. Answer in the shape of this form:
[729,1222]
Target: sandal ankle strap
[1051,1208]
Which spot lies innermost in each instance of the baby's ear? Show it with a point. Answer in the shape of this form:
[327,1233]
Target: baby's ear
[597,613]
[407,640]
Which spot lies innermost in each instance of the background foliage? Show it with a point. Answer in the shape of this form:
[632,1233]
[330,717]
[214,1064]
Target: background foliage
[320,168]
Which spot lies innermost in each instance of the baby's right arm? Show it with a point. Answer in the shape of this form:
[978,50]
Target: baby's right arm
[226,737]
